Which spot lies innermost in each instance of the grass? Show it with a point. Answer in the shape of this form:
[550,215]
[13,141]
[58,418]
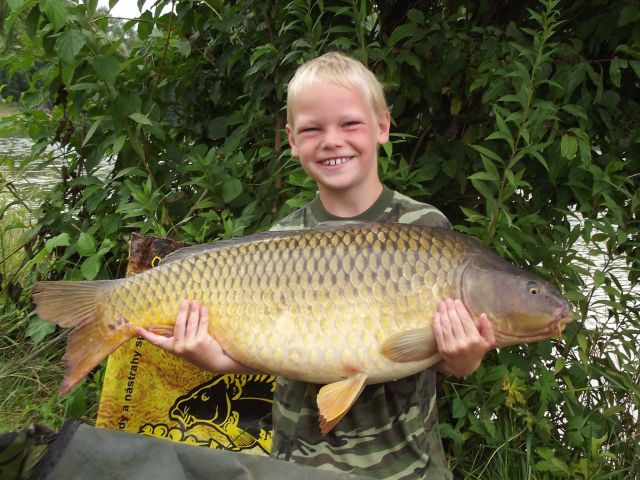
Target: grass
[30,372]
[27,373]
[30,351]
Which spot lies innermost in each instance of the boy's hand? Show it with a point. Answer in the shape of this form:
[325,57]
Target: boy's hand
[460,343]
[191,341]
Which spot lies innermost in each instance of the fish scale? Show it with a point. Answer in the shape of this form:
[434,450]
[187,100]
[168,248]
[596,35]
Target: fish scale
[339,305]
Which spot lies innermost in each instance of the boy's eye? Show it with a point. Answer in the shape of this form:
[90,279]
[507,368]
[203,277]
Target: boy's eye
[352,123]
[308,129]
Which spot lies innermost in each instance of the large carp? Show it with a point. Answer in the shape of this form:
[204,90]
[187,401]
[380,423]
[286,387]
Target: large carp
[342,306]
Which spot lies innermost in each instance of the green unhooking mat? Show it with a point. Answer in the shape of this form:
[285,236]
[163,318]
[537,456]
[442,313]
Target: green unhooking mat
[80,451]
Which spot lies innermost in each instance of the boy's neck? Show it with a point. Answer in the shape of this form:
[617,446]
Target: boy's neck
[349,203]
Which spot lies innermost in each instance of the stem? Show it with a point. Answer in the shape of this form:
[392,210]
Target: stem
[543,37]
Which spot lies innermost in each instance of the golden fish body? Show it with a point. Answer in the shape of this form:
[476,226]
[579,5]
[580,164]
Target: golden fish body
[315,306]
[320,305]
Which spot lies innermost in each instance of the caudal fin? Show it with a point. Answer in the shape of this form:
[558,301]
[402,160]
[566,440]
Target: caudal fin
[80,306]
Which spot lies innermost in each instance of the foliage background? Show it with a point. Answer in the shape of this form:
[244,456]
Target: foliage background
[518,119]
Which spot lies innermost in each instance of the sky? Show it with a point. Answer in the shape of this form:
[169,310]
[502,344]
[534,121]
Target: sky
[124,8]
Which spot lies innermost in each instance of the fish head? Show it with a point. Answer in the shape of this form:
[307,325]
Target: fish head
[520,306]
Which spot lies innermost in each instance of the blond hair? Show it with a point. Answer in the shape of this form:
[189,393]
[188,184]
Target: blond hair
[339,69]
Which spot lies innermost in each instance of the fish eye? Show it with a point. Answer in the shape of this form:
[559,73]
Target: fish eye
[533,287]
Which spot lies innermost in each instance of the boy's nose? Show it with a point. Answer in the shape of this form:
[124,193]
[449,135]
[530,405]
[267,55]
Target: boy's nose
[331,139]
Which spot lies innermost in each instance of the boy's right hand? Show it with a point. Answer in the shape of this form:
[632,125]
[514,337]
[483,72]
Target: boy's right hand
[191,341]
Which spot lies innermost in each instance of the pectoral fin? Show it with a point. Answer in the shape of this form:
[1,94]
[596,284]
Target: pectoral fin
[411,346]
[335,400]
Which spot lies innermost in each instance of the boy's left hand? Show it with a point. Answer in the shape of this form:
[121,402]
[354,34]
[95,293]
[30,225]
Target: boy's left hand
[460,343]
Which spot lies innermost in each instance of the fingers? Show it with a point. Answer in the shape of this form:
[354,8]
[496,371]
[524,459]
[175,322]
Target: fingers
[455,329]
[153,338]
[486,330]
[193,320]
[203,324]
[460,343]
[180,327]
[456,319]
[437,330]
[191,324]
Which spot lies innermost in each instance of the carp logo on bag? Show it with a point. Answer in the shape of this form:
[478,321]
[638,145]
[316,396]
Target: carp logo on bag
[237,407]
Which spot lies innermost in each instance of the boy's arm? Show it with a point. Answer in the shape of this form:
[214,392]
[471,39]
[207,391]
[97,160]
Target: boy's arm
[460,343]
[191,341]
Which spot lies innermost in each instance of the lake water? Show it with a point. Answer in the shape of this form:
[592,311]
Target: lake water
[27,182]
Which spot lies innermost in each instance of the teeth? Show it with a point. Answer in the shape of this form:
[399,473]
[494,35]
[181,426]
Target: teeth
[335,161]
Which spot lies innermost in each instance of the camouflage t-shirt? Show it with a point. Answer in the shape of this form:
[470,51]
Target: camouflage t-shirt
[391,431]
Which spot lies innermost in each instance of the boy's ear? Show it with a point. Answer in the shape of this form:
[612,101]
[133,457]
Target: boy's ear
[292,141]
[384,124]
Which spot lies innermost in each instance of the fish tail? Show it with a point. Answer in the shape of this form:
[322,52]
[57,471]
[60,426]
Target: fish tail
[80,306]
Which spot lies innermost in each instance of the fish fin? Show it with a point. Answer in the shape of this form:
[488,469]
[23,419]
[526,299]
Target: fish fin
[164,330]
[79,305]
[410,345]
[190,251]
[335,400]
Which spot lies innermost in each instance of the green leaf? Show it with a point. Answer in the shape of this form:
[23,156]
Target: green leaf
[231,189]
[56,11]
[61,240]
[598,278]
[32,20]
[482,176]
[91,267]
[145,25]
[92,129]
[459,409]
[38,329]
[568,146]
[635,64]
[15,5]
[616,65]
[551,463]
[118,143]
[628,15]
[405,30]
[487,153]
[261,51]
[69,44]
[68,70]
[183,46]
[575,110]
[140,118]
[86,244]
[107,67]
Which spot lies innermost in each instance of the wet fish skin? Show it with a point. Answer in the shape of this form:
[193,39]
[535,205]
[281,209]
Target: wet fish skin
[346,303]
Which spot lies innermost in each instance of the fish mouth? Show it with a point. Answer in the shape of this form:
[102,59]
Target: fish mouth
[554,328]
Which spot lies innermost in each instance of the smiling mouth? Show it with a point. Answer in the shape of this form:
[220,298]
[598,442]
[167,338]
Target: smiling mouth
[330,162]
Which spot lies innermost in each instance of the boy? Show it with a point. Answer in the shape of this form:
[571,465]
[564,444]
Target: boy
[337,116]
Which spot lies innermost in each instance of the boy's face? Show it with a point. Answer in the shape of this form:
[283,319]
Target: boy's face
[335,133]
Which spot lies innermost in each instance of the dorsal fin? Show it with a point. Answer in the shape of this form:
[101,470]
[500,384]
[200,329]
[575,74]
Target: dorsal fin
[192,250]
[186,252]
